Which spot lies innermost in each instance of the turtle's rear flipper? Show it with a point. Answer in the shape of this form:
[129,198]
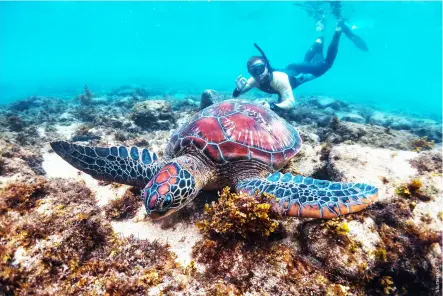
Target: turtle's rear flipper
[308,197]
[131,166]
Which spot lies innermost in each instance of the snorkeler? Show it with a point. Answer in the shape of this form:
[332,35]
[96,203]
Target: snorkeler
[282,82]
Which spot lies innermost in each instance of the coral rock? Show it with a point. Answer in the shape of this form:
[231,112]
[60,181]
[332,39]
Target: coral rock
[155,114]
[352,117]
[325,102]
[348,254]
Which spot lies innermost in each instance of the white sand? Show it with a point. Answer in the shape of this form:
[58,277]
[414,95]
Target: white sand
[56,167]
[370,165]
[41,131]
[181,238]
[66,131]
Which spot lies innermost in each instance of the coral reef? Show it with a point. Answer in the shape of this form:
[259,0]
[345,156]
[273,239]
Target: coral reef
[403,256]
[66,245]
[24,104]
[18,160]
[16,124]
[124,207]
[433,131]
[422,144]
[410,189]
[85,113]
[272,269]
[83,133]
[319,111]
[21,196]
[86,97]
[343,247]
[428,161]
[239,215]
[373,136]
[65,235]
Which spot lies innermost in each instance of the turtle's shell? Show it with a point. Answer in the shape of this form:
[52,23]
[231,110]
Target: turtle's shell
[236,130]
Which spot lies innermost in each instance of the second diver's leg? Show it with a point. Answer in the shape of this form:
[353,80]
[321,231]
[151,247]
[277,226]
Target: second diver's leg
[315,52]
[306,71]
[333,48]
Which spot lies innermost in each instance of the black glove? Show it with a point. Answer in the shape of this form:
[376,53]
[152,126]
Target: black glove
[273,107]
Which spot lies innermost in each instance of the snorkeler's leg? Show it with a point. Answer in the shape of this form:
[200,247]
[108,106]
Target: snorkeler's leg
[295,69]
[332,49]
[315,52]
[317,66]
[318,69]
[303,72]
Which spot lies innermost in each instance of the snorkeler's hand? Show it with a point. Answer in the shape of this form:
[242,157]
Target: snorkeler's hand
[266,104]
[241,82]
[286,105]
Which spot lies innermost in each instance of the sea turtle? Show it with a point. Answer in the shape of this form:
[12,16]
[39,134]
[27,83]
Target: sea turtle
[233,143]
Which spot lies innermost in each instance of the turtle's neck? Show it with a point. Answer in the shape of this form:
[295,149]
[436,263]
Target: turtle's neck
[199,167]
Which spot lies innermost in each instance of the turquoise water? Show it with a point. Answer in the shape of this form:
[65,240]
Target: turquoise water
[54,48]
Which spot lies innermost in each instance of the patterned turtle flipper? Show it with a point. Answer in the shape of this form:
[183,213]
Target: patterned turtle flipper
[132,166]
[299,196]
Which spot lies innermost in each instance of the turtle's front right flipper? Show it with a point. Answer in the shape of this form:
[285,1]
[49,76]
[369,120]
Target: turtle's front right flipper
[312,198]
[132,166]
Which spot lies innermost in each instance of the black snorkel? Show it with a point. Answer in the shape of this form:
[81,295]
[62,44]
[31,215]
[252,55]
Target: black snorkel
[264,57]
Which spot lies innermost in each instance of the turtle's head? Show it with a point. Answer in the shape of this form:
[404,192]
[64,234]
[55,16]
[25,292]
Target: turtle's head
[169,190]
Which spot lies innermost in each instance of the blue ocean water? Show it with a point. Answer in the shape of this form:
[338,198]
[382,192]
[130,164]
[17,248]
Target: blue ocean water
[54,48]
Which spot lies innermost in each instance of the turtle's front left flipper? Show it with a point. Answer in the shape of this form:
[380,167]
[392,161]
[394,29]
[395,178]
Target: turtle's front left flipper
[131,166]
[308,197]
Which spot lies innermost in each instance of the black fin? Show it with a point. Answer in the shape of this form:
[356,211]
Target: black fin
[358,41]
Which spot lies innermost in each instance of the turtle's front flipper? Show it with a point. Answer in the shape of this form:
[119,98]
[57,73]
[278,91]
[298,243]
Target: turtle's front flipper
[131,166]
[308,197]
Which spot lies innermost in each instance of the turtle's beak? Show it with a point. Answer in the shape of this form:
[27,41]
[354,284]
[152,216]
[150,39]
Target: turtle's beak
[159,215]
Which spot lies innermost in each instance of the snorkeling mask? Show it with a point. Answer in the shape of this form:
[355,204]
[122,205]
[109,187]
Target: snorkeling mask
[257,69]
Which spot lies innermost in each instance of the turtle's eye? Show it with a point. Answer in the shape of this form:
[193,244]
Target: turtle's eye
[167,202]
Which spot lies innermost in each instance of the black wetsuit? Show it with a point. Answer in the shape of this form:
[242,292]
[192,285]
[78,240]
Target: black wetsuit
[313,66]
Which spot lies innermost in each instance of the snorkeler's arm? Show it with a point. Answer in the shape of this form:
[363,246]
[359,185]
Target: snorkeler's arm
[248,86]
[281,84]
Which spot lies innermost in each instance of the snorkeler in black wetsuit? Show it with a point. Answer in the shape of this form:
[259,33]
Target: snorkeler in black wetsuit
[283,81]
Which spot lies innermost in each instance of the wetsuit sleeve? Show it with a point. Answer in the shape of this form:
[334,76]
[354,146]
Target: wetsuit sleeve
[249,85]
[280,83]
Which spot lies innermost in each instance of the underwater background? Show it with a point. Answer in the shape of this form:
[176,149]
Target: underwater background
[81,82]
[55,48]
